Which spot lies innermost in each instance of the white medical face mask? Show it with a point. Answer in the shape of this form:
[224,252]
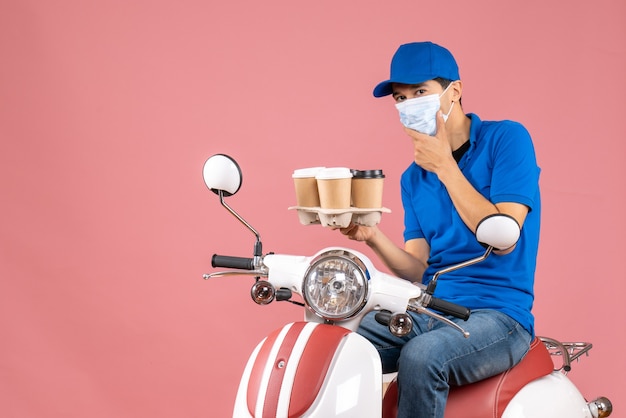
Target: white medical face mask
[420,113]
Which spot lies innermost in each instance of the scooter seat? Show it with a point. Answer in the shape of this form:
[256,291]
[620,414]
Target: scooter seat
[490,397]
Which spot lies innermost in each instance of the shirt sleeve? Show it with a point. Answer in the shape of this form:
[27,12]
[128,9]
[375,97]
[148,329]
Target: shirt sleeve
[412,228]
[515,174]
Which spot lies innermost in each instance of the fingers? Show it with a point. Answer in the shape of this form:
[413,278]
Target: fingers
[348,229]
[441,123]
[414,134]
[354,232]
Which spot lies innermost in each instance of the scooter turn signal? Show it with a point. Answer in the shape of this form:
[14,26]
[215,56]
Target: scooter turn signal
[262,292]
[400,324]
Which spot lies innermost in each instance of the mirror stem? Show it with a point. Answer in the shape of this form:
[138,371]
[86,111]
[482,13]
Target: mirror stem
[433,283]
[258,247]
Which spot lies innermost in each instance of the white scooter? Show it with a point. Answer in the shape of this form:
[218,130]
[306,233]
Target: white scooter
[321,367]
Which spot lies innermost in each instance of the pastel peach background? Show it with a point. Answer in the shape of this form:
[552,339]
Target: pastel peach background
[108,110]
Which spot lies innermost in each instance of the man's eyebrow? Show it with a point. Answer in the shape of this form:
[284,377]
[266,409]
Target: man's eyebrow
[412,86]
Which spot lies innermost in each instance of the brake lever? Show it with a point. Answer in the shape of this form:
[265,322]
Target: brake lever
[255,273]
[422,310]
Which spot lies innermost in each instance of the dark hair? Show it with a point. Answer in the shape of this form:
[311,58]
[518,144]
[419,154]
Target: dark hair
[444,82]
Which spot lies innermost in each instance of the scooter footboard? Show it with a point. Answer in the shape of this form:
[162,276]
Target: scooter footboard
[306,369]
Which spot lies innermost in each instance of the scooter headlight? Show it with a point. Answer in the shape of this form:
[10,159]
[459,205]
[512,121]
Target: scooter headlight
[335,285]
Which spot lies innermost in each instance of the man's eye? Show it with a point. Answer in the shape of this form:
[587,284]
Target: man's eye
[400,98]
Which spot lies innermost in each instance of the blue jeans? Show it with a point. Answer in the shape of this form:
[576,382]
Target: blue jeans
[434,356]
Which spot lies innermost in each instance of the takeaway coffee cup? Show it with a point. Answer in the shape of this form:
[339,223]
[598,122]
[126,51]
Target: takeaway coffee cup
[367,188]
[334,186]
[306,186]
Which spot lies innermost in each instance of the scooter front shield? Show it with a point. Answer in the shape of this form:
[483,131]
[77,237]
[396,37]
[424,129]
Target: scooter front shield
[306,369]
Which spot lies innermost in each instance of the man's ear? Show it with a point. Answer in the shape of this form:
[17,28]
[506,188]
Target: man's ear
[457,90]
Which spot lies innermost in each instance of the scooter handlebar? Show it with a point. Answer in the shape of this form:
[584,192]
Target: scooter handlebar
[227,261]
[449,308]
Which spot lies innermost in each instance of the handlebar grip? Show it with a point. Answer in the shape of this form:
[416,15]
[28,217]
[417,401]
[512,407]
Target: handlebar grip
[383,317]
[242,263]
[449,308]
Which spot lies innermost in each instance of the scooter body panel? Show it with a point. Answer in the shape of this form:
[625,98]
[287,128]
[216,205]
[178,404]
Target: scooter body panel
[311,370]
[553,395]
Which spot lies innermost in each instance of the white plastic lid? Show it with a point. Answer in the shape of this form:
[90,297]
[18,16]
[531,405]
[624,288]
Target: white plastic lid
[334,173]
[306,172]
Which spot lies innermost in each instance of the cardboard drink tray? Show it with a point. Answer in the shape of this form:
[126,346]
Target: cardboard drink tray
[339,218]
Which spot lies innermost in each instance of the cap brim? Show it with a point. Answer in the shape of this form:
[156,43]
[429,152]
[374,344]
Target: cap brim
[385,89]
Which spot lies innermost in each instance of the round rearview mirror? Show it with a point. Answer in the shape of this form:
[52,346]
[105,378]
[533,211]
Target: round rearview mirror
[222,173]
[499,231]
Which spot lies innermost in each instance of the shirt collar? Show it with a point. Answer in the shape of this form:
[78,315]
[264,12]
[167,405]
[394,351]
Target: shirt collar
[475,125]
